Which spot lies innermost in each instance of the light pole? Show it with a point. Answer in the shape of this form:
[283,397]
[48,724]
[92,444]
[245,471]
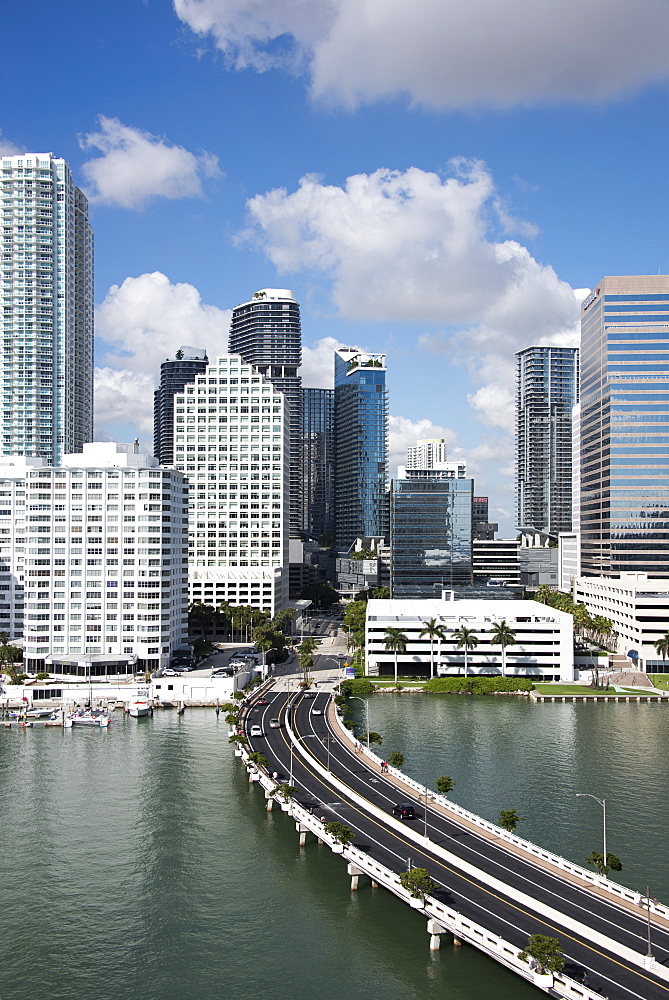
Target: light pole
[602,802]
[648,900]
[307,736]
[366,704]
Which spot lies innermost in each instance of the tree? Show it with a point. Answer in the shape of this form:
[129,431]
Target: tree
[396,640]
[444,784]
[284,791]
[339,832]
[543,594]
[466,639]
[372,737]
[662,647]
[304,657]
[613,862]
[259,759]
[201,618]
[509,819]
[238,738]
[418,882]
[433,631]
[503,636]
[546,952]
[396,759]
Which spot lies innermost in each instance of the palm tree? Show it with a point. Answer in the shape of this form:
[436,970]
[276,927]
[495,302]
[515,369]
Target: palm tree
[434,631]
[503,635]
[466,639]
[396,640]
[662,647]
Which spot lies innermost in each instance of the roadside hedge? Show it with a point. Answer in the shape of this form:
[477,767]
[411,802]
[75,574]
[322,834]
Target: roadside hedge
[477,685]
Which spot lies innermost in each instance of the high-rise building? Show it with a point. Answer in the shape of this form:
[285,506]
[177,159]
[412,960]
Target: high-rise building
[430,534]
[266,333]
[13,475]
[482,529]
[546,391]
[47,299]
[106,564]
[317,463]
[361,446]
[175,373]
[231,440]
[625,427]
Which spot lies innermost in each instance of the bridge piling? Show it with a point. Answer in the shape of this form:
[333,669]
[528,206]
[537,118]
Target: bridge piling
[435,930]
[355,874]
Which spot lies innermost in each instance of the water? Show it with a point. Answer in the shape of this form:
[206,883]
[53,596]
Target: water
[138,863]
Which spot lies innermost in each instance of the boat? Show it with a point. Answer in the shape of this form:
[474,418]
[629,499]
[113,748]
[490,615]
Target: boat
[87,717]
[139,706]
[31,713]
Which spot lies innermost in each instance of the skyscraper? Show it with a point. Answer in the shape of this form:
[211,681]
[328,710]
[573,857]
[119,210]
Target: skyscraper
[47,298]
[317,462]
[361,445]
[175,373]
[625,427]
[546,391]
[266,333]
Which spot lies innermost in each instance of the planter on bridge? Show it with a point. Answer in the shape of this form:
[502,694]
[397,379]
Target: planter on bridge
[544,980]
[337,848]
[417,902]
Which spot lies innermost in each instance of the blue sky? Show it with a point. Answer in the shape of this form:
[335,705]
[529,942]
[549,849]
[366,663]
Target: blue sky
[434,181]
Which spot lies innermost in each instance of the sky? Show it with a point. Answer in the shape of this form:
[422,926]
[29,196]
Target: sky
[439,182]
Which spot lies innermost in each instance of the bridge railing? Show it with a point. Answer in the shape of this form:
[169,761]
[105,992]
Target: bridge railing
[621,891]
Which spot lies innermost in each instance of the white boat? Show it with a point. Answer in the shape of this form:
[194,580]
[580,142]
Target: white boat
[138,707]
[87,717]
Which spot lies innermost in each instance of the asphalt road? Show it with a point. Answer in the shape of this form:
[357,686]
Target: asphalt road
[473,896]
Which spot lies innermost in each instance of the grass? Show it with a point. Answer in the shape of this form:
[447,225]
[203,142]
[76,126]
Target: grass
[381,682]
[571,689]
[660,681]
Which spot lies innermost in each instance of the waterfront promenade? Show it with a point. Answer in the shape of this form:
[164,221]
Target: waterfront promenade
[480,874]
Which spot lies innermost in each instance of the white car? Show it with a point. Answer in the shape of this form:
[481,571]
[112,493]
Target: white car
[274,724]
[317,711]
[256,731]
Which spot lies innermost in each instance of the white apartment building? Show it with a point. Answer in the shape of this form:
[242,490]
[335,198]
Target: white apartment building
[639,609]
[46,294]
[13,471]
[231,443]
[544,646]
[106,563]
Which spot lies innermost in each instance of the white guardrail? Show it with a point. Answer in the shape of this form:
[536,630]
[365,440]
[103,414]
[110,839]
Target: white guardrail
[441,918]
[621,891]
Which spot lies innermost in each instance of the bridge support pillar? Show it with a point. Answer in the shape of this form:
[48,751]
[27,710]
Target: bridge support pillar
[435,930]
[355,873]
[375,885]
[270,802]
[456,942]
[302,830]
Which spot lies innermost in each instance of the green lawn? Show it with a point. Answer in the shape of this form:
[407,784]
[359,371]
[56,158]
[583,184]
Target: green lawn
[660,681]
[382,682]
[571,689]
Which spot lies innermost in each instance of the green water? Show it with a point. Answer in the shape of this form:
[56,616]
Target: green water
[138,863]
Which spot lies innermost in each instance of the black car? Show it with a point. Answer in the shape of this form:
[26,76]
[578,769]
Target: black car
[404,811]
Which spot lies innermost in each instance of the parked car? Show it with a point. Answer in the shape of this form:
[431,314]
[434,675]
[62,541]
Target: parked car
[404,810]
[256,731]
[172,672]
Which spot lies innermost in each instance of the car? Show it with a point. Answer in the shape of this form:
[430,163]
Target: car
[404,810]
[316,711]
[219,673]
[172,672]
[256,731]
[262,701]
[274,724]
[309,694]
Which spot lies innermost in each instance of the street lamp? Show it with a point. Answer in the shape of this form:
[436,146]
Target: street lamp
[307,736]
[602,802]
[647,899]
[366,704]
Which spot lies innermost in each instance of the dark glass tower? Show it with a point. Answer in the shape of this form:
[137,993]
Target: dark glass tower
[175,373]
[317,441]
[546,391]
[266,333]
[361,446]
[430,535]
[625,427]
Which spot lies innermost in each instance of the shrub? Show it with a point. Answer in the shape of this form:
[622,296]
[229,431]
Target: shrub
[418,882]
[396,759]
[340,832]
[444,784]
[358,686]
[477,685]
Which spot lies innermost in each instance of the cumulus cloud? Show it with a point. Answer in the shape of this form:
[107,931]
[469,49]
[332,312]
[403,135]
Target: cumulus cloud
[415,246]
[8,148]
[317,369]
[137,166]
[138,325]
[470,53]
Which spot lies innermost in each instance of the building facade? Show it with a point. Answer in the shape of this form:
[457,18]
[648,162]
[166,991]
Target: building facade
[483,530]
[175,373]
[430,534]
[46,295]
[361,446]
[496,562]
[231,442]
[317,464]
[106,564]
[543,647]
[546,391]
[13,474]
[266,332]
[624,427]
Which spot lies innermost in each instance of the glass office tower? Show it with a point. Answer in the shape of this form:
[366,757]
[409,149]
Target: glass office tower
[46,296]
[546,391]
[625,427]
[361,446]
[430,535]
[317,461]
[175,373]
[266,333]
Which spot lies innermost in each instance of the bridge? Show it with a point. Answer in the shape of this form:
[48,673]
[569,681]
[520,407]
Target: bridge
[493,889]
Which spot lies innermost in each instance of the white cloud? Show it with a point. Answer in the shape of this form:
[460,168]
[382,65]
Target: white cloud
[471,53]
[137,166]
[317,369]
[139,324]
[8,148]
